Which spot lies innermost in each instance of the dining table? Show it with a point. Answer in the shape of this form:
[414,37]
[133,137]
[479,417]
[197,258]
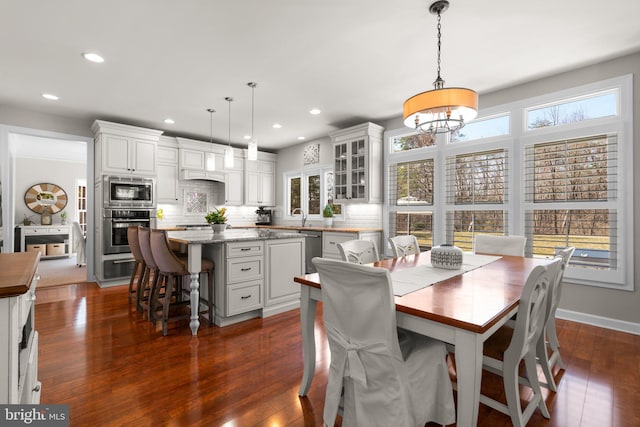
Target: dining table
[463,310]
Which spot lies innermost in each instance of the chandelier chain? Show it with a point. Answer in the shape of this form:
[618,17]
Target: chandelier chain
[439,43]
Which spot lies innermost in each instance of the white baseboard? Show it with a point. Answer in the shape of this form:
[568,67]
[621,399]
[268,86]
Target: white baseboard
[603,322]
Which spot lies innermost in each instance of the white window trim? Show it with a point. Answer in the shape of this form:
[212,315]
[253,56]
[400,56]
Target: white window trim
[519,136]
[304,201]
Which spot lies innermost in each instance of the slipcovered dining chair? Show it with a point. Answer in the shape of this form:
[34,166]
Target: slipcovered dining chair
[508,347]
[500,245]
[171,270]
[80,244]
[139,265]
[389,377]
[359,251]
[404,245]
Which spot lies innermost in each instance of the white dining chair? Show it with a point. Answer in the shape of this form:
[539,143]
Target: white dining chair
[359,251]
[389,378]
[404,245]
[508,347]
[500,245]
[80,244]
[548,351]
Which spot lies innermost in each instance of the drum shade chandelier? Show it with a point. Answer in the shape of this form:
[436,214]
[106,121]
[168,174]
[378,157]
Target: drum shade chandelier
[253,142]
[440,110]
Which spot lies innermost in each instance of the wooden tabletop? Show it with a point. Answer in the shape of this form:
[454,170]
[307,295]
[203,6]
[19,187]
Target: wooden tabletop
[473,301]
[16,272]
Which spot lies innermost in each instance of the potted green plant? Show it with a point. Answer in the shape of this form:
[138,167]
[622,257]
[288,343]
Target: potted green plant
[63,218]
[327,213]
[218,219]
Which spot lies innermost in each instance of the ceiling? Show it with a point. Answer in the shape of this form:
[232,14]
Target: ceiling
[354,60]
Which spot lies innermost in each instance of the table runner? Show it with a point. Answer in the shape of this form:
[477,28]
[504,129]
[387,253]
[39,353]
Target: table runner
[412,279]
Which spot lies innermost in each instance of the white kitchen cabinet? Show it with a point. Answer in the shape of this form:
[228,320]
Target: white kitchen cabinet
[284,260]
[167,180]
[357,164]
[233,189]
[260,181]
[243,279]
[18,337]
[125,150]
[167,183]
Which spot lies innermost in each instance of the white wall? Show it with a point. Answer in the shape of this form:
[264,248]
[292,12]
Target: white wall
[291,159]
[34,171]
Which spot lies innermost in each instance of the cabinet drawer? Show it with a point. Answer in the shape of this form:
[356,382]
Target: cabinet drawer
[244,297]
[244,249]
[330,243]
[245,269]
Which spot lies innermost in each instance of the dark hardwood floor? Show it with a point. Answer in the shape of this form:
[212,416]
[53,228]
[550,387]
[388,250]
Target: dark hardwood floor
[114,368]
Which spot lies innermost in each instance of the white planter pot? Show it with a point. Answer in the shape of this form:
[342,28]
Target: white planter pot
[218,228]
[328,222]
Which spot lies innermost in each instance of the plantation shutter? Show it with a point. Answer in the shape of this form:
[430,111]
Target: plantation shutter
[571,189]
[476,195]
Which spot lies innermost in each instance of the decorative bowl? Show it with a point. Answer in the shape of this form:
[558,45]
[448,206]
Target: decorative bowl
[446,256]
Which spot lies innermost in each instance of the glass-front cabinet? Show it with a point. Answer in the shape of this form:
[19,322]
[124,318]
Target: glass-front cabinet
[357,164]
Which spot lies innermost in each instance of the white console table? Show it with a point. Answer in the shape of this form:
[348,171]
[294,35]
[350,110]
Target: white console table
[53,240]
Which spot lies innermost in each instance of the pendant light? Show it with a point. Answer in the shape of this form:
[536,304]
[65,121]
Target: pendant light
[211,161]
[253,142]
[440,110]
[228,152]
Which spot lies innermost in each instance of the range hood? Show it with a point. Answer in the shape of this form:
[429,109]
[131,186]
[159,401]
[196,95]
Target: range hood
[202,175]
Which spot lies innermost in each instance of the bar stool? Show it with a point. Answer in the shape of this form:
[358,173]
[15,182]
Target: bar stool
[139,264]
[147,283]
[172,269]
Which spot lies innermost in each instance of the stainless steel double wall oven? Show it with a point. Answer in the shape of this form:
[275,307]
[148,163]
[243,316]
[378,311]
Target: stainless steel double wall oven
[128,201]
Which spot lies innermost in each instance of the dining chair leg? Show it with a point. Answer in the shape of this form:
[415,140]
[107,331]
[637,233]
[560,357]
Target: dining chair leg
[532,373]
[543,358]
[552,337]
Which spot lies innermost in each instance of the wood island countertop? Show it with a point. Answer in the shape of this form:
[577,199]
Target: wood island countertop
[16,272]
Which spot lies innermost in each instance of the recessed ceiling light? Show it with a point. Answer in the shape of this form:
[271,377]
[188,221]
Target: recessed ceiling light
[93,57]
[50,96]
[301,138]
[247,137]
[277,125]
[169,121]
[315,111]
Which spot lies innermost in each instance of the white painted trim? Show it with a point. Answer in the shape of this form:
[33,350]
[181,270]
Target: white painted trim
[602,322]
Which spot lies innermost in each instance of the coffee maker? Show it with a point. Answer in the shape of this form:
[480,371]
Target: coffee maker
[264,216]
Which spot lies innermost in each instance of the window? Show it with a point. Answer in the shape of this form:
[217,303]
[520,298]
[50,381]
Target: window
[81,204]
[483,128]
[310,191]
[476,196]
[573,173]
[294,193]
[587,107]
[569,167]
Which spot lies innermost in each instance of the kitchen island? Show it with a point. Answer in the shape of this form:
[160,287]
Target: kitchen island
[254,271]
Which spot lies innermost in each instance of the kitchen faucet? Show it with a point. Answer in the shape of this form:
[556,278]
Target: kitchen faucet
[304,217]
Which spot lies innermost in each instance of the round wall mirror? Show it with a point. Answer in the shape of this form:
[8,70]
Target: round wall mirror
[45,196]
